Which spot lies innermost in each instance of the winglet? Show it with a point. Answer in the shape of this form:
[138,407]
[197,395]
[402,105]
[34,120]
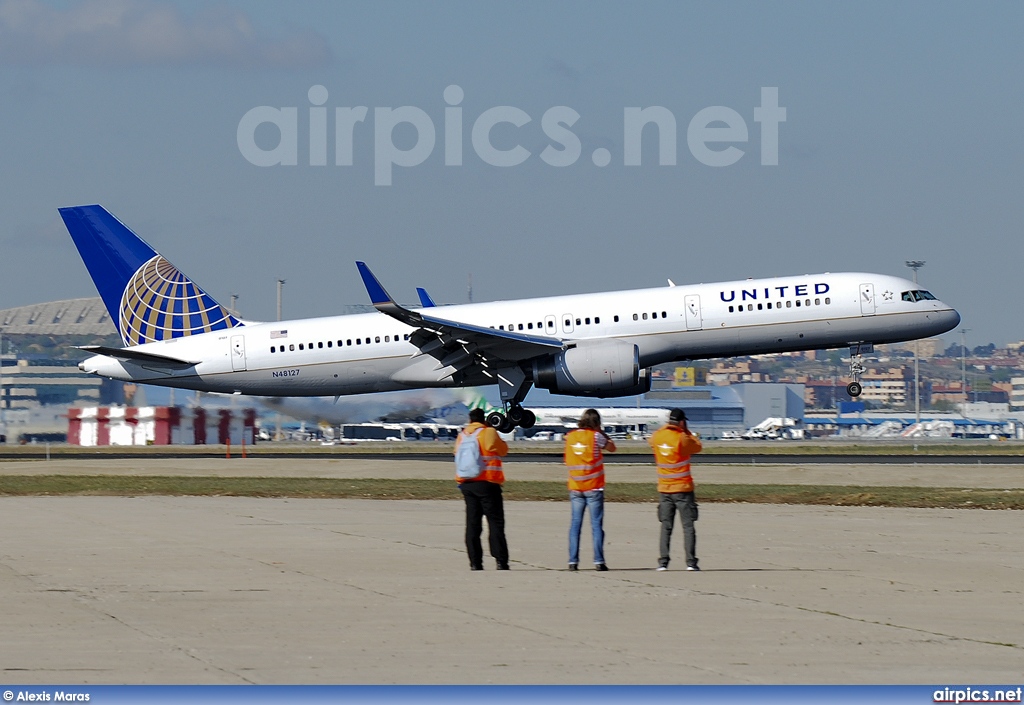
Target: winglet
[373,287]
[425,299]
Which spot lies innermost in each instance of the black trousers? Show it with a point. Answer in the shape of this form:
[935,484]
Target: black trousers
[686,504]
[483,499]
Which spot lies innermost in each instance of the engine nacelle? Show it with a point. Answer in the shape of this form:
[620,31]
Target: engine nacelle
[607,368]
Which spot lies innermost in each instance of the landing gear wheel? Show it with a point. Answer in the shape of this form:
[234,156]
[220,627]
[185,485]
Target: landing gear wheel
[528,420]
[854,388]
[515,414]
[507,426]
[495,419]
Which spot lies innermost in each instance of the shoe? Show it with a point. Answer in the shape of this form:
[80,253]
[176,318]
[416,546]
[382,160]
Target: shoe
[662,567]
[503,566]
[600,567]
[573,566]
[476,567]
[693,567]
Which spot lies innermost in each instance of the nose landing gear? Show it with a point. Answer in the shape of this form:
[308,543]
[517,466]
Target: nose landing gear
[855,388]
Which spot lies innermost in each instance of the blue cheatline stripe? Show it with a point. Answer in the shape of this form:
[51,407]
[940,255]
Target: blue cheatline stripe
[535,695]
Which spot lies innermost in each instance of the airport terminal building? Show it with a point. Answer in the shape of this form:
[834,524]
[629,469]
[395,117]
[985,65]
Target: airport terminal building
[39,375]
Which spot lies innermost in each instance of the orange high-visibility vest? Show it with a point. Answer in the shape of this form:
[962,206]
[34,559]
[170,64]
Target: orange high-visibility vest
[672,449]
[584,460]
[491,449]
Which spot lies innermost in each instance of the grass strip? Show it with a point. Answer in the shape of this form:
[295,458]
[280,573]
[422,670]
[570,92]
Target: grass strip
[335,488]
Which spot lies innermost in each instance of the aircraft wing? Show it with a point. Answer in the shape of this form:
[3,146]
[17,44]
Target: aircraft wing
[137,356]
[458,345]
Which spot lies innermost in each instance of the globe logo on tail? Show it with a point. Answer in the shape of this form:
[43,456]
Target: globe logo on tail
[160,302]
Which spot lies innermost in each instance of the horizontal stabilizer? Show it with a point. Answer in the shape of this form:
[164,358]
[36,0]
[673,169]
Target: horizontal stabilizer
[137,356]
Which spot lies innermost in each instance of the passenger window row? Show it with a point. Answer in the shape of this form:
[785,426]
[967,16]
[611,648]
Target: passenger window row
[551,324]
[778,304]
[524,326]
[583,321]
[637,317]
[341,343]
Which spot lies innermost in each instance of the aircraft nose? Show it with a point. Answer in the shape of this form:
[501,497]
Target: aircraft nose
[949,319]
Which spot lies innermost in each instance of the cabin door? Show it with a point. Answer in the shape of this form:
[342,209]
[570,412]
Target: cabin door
[238,353]
[867,299]
[692,305]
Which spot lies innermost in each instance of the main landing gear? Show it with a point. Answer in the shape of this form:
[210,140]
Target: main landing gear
[515,415]
[855,388]
[513,384]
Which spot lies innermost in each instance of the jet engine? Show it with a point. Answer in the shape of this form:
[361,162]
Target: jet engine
[606,368]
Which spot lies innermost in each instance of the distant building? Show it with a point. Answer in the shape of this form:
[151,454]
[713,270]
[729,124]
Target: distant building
[160,425]
[728,372]
[768,400]
[85,317]
[926,349]
[825,393]
[1017,394]
[951,392]
[889,387]
[28,385]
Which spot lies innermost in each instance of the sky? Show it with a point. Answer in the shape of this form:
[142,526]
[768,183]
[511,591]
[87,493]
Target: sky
[900,142]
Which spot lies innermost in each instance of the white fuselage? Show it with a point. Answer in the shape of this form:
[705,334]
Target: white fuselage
[370,352]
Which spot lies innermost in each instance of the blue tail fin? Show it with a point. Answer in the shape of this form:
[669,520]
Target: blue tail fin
[147,297]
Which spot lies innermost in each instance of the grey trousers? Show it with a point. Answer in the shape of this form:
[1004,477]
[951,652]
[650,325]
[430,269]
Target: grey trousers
[686,504]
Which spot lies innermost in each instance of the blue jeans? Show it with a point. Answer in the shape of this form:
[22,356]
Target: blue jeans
[580,501]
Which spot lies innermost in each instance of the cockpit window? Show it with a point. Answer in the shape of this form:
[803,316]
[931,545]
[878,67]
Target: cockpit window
[920,295]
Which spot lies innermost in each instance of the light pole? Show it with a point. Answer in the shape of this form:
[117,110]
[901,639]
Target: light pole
[963,370]
[280,284]
[916,264]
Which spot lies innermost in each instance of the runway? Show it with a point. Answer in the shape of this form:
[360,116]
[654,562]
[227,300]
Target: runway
[242,590]
[789,473]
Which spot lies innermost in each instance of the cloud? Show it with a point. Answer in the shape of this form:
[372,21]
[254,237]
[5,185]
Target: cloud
[109,33]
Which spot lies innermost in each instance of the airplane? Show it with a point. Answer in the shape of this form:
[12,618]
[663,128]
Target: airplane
[598,345]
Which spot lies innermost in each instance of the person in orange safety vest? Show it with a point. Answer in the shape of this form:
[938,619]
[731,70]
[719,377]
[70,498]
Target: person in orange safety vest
[483,493]
[673,445]
[584,456]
